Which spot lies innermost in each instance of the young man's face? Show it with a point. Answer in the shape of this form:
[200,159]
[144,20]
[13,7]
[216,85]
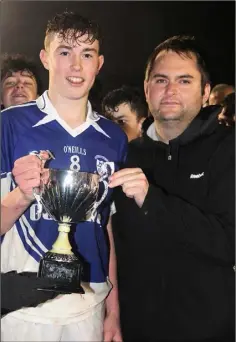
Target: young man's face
[173,91]
[18,88]
[72,67]
[128,121]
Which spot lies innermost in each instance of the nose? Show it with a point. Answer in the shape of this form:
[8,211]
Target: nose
[76,63]
[171,88]
[19,85]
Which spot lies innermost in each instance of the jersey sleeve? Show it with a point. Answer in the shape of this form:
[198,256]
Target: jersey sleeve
[7,148]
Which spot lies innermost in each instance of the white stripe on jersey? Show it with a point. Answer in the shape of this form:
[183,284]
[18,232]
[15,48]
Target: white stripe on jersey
[25,225]
[33,235]
[10,260]
[30,244]
[20,105]
[6,181]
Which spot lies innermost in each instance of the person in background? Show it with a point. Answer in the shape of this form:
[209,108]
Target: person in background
[219,92]
[127,107]
[174,225]
[20,81]
[227,115]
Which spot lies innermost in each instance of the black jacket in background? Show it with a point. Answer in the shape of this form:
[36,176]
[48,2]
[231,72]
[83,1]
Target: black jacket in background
[175,255]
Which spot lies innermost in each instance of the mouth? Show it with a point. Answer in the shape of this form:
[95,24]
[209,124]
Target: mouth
[19,96]
[74,80]
[169,103]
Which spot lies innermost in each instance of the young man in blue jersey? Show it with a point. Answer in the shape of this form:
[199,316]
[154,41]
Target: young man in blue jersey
[62,121]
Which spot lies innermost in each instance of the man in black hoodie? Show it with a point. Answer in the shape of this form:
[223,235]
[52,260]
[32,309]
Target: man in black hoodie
[174,220]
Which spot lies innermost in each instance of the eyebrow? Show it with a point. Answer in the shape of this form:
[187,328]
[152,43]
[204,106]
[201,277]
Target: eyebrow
[68,47]
[178,77]
[32,77]
[119,117]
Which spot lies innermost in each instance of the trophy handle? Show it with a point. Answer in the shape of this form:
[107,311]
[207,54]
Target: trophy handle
[37,196]
[38,199]
[97,203]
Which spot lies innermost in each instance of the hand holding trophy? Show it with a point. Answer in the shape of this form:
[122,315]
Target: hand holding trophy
[68,197]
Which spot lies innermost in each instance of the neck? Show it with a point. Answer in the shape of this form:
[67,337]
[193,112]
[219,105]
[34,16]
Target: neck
[73,112]
[169,130]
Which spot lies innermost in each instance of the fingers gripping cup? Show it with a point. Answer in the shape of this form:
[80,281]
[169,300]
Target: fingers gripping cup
[68,197]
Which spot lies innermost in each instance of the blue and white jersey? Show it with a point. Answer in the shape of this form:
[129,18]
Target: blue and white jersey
[98,145]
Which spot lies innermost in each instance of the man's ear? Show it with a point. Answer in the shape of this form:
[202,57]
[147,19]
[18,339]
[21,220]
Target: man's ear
[207,91]
[146,89]
[100,62]
[43,55]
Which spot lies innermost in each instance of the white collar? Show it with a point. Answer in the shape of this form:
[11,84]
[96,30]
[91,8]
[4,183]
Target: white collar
[151,132]
[45,105]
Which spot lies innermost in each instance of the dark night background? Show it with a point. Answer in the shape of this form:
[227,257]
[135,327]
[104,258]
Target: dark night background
[131,30]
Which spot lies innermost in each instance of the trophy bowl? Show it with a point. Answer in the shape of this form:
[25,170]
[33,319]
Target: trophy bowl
[68,197]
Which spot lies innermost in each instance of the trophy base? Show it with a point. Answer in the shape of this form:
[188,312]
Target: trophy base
[66,289]
[64,269]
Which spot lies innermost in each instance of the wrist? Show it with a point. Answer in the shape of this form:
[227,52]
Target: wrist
[16,200]
[24,199]
[112,303]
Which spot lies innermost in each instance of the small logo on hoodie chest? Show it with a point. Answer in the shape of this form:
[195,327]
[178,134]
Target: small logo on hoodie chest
[196,176]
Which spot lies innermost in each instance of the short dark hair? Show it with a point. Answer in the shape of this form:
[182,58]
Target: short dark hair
[221,88]
[72,26]
[18,62]
[182,45]
[128,95]
[229,109]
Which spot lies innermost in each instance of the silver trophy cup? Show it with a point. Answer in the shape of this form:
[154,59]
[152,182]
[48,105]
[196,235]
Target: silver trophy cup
[68,197]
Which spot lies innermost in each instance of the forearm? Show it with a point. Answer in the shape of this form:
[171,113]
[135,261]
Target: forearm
[112,302]
[13,206]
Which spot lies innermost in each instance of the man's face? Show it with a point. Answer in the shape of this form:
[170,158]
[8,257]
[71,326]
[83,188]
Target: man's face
[17,88]
[128,121]
[173,91]
[72,67]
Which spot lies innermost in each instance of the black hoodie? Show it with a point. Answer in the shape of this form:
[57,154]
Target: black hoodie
[175,255]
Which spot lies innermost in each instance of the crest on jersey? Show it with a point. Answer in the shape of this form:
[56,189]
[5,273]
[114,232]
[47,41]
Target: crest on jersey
[104,167]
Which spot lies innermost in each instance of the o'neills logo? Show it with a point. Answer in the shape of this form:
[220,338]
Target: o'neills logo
[74,149]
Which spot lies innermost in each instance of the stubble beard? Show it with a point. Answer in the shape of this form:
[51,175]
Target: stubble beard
[165,119]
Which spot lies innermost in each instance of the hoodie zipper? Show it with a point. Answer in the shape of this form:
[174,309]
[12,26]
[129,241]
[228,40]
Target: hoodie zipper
[169,157]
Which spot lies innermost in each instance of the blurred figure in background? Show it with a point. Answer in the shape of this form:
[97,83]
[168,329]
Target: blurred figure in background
[219,92]
[127,107]
[20,80]
[227,114]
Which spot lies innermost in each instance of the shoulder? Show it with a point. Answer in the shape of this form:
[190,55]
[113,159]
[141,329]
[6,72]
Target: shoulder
[141,144]
[226,136]
[16,112]
[140,152]
[25,115]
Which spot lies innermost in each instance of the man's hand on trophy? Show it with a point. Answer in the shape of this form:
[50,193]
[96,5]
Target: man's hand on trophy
[28,171]
[133,182]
